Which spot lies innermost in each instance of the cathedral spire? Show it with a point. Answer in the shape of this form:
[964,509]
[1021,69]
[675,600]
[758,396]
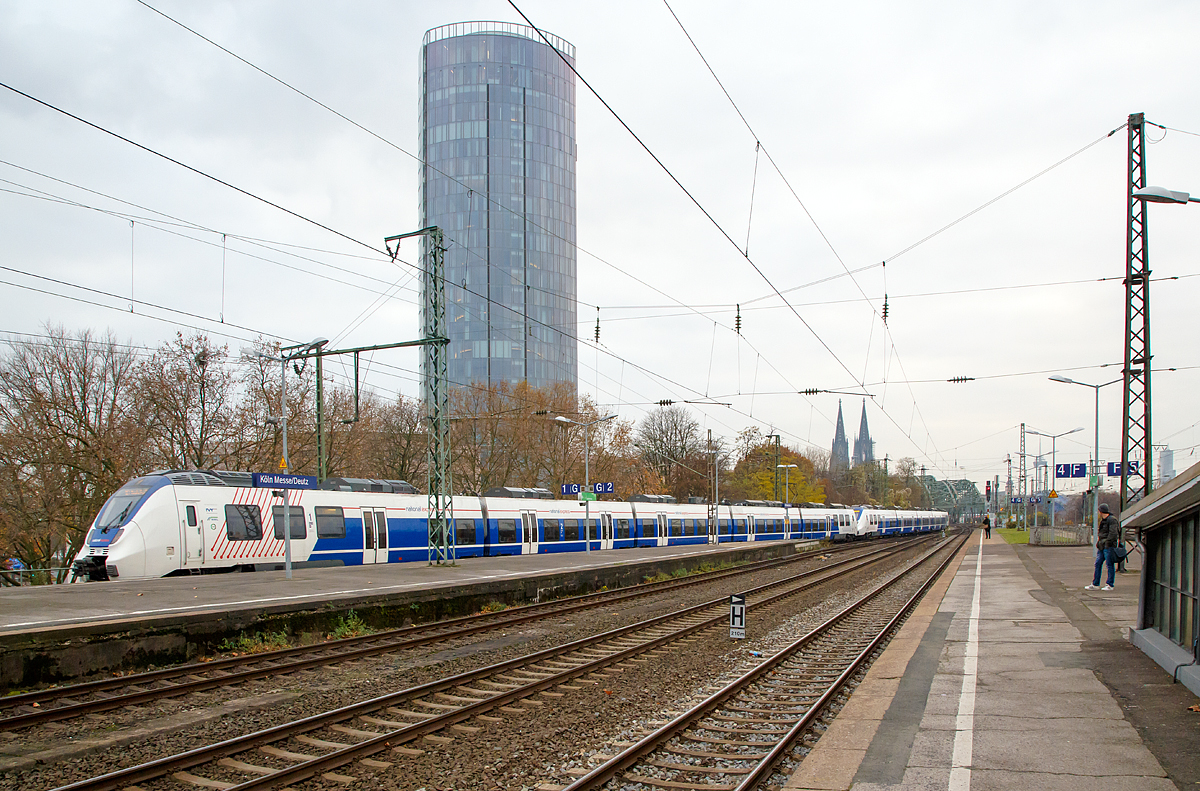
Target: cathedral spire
[840,458]
[864,448]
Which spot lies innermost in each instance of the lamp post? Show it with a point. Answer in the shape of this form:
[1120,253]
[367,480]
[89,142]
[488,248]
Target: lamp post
[1096,457]
[1139,365]
[787,491]
[299,350]
[1053,456]
[587,480]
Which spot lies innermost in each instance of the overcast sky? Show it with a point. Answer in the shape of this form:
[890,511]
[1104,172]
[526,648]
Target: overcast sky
[888,120]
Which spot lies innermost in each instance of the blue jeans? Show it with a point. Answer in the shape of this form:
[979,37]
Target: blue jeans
[1108,557]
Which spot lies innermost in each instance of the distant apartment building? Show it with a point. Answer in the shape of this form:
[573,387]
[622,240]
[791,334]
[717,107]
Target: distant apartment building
[498,177]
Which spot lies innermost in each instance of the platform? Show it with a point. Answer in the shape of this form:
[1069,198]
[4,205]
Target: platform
[51,634]
[1009,675]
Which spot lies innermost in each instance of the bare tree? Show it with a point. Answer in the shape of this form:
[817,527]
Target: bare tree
[396,441]
[72,431]
[668,437]
[190,390]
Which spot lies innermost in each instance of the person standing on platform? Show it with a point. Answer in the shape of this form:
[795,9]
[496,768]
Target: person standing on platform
[1107,535]
[987,526]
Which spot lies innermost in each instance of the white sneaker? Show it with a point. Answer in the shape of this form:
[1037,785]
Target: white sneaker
[1107,588]
[1090,588]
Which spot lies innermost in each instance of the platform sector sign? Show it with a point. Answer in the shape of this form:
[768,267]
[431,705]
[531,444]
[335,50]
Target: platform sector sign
[1071,470]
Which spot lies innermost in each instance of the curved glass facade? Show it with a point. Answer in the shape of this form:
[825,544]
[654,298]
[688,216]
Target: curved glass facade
[498,139]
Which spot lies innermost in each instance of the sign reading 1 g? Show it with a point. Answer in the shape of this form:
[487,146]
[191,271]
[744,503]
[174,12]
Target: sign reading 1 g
[572,489]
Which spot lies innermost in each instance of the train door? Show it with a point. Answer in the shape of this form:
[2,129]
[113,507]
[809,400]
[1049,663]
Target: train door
[661,528]
[606,531]
[751,527]
[192,530]
[381,537]
[370,554]
[529,536]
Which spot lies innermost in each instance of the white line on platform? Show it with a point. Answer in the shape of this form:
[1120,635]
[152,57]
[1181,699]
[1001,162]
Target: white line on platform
[964,726]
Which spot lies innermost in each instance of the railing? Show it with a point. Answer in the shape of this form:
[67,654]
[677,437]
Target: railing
[12,578]
[1069,536]
[481,28]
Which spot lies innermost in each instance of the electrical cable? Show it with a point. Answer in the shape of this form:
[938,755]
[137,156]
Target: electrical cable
[685,190]
[416,158]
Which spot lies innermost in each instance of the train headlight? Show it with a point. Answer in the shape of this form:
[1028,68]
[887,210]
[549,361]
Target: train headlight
[116,535]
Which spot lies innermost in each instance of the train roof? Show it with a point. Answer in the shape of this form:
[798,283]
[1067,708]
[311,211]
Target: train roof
[520,492]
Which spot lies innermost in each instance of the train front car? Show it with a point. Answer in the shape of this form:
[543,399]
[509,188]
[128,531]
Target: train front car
[127,538]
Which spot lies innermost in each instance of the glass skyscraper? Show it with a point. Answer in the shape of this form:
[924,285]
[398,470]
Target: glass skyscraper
[498,142]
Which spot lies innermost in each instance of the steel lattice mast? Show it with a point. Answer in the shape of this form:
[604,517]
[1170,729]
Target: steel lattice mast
[1135,423]
[436,391]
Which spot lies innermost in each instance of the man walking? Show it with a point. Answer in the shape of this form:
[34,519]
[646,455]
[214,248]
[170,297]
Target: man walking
[1107,535]
[987,526]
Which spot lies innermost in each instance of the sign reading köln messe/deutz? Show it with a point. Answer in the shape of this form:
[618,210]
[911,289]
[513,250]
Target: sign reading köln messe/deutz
[284,480]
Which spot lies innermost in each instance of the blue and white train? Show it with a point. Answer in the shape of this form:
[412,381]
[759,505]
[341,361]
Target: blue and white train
[192,522]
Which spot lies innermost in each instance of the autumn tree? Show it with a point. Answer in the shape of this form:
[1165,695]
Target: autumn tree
[72,431]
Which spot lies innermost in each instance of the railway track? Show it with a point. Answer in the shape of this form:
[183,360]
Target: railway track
[322,746]
[75,700]
[737,739]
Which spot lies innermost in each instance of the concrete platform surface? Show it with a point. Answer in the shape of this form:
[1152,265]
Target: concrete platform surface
[1009,675]
[24,610]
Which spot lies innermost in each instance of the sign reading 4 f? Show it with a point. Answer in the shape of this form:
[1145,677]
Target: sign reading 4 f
[737,616]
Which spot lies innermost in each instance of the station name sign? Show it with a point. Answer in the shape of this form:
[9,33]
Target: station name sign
[283,480]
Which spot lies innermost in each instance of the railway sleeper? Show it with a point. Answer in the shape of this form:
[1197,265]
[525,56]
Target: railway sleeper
[717,770]
[659,783]
[676,750]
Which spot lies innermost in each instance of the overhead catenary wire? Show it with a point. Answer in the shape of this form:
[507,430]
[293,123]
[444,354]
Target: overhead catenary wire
[390,143]
[721,230]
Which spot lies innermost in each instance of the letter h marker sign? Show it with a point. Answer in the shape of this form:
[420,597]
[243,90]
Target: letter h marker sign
[737,616]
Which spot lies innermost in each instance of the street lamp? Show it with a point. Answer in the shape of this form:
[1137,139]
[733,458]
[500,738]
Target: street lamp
[299,350]
[1163,195]
[1145,195]
[1096,459]
[587,480]
[787,492]
[1053,456]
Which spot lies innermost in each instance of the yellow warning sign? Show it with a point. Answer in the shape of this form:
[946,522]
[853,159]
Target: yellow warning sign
[283,464]
[1053,494]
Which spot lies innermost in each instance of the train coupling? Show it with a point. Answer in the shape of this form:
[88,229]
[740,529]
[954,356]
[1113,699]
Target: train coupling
[94,569]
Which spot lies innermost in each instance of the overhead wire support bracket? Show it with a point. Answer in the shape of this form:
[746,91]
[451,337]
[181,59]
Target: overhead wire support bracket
[436,385]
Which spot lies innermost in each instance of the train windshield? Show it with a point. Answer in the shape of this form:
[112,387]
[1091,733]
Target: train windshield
[121,507]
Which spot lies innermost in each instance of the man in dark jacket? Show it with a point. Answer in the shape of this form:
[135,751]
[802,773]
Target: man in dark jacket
[1107,536]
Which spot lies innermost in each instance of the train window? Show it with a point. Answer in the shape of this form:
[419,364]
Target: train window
[550,530]
[570,529]
[295,514]
[507,530]
[464,532]
[331,522]
[723,526]
[622,528]
[243,522]
[191,516]
[741,526]
[689,527]
[676,526]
